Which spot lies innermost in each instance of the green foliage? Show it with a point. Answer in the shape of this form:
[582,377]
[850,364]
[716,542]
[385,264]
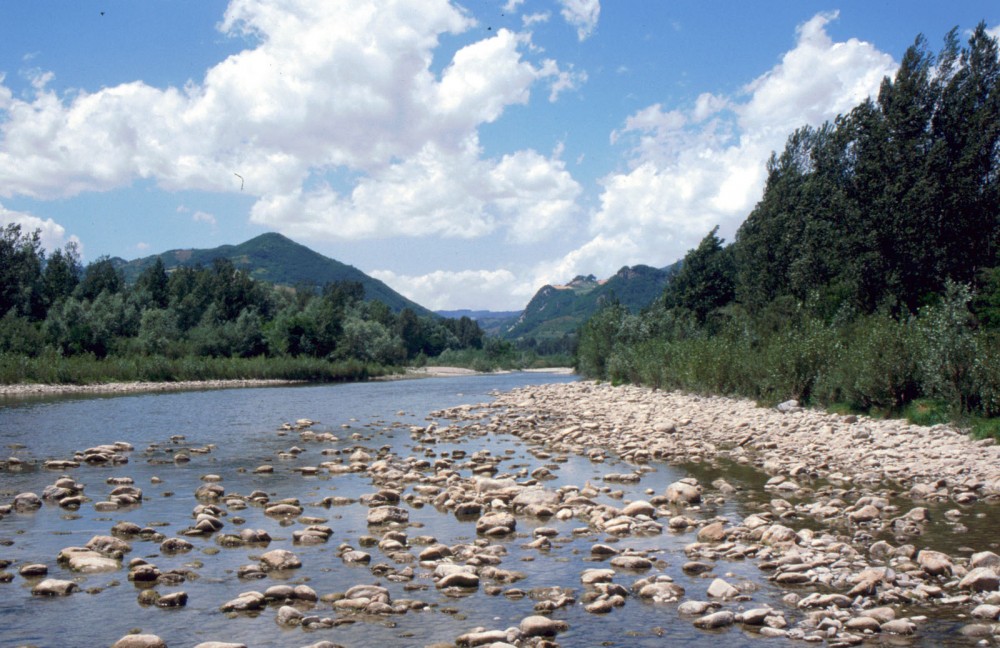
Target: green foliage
[866,277]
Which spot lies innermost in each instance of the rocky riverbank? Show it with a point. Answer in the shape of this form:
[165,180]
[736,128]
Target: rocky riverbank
[830,546]
[865,483]
[38,389]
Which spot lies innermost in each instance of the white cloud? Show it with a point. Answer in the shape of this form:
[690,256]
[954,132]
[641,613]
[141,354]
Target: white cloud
[324,87]
[511,5]
[582,14]
[704,166]
[142,246]
[203,217]
[530,20]
[438,192]
[445,290]
[51,234]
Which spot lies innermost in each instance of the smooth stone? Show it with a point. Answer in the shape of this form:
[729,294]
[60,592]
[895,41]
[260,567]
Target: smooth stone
[140,641]
[54,587]
[719,619]
[540,626]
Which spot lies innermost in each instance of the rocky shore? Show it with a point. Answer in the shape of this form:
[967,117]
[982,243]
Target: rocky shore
[835,541]
[38,389]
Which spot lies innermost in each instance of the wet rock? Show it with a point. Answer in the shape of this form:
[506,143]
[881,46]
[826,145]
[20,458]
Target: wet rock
[245,602]
[173,599]
[54,587]
[720,589]
[714,532]
[288,615]
[684,491]
[496,524]
[26,502]
[140,641]
[693,608]
[719,619]
[935,563]
[899,627]
[35,570]
[280,559]
[540,626]
[980,579]
[87,561]
[387,515]
[631,562]
[220,644]
[175,545]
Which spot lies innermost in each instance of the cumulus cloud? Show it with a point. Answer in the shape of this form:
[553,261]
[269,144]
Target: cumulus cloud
[582,14]
[437,192]
[322,87]
[51,233]
[449,290]
[692,169]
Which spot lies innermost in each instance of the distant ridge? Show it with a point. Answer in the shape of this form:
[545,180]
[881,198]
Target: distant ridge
[278,260]
[555,311]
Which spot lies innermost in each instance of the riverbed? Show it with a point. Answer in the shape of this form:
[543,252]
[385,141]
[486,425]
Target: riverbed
[374,447]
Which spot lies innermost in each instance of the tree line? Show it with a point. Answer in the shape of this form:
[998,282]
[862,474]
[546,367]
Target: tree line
[868,273]
[52,305]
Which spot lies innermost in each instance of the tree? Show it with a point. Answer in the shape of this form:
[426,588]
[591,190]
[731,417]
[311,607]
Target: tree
[706,280]
[61,274]
[153,285]
[100,276]
[21,258]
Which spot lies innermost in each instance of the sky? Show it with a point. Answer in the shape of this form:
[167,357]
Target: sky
[465,153]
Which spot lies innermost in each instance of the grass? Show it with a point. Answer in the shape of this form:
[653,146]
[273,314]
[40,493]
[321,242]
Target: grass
[87,370]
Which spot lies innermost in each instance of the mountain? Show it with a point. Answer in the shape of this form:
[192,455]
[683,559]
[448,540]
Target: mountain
[493,323]
[278,260]
[557,310]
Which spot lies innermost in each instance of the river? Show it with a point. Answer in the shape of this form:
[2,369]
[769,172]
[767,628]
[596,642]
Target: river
[231,432]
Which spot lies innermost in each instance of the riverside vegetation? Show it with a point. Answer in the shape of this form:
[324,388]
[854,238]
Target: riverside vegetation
[63,323]
[867,277]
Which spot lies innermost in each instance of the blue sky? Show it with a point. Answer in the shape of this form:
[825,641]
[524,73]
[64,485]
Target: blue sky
[464,153]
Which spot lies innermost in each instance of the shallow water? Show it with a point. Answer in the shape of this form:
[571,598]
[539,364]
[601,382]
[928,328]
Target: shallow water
[242,424]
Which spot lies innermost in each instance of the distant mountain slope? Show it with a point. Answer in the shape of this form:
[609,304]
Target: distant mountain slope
[557,310]
[492,322]
[278,260]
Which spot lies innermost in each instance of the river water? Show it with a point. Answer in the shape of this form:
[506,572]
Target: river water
[239,430]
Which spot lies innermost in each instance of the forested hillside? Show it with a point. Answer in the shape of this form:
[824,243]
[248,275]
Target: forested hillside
[868,273]
[277,260]
[62,322]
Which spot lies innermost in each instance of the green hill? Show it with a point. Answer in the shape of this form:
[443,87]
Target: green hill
[557,310]
[278,260]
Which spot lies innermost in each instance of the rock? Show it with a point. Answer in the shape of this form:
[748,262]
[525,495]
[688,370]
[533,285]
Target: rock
[387,514]
[287,615]
[899,627]
[54,587]
[540,626]
[722,590]
[140,641]
[496,523]
[220,644]
[175,545]
[639,507]
[935,563]
[245,602]
[632,562]
[591,576]
[26,502]
[279,559]
[777,534]
[87,561]
[719,619]
[34,570]
[685,491]
[986,611]
[692,608]
[980,579]
[714,532]
[985,559]
[662,592]
[173,599]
